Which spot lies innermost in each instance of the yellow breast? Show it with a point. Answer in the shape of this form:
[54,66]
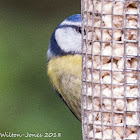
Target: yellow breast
[65,74]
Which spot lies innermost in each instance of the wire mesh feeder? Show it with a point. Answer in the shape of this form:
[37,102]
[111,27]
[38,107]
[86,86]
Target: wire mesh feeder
[110,73]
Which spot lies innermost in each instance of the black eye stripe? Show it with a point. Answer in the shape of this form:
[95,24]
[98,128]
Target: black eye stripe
[77,28]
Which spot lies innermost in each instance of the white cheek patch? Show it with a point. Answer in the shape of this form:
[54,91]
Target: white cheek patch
[68,40]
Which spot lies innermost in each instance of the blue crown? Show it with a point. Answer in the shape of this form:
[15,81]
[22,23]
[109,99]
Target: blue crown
[74,18]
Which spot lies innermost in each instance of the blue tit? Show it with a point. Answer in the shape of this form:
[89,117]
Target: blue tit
[65,62]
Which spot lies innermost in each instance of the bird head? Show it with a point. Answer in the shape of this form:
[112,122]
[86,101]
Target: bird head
[66,38]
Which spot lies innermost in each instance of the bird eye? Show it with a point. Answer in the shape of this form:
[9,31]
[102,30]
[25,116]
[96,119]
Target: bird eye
[79,30]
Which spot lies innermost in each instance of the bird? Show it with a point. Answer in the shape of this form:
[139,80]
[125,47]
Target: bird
[64,62]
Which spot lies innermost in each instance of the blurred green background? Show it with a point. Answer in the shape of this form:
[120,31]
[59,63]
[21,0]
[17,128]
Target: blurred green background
[28,102]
